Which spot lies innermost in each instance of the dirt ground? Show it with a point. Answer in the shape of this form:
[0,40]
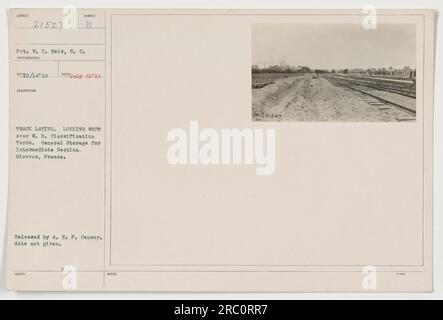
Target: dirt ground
[305,98]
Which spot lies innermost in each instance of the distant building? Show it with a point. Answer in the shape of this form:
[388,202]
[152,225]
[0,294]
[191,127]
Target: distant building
[404,73]
[356,70]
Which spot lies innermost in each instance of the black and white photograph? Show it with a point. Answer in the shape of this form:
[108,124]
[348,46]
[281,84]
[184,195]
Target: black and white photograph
[333,72]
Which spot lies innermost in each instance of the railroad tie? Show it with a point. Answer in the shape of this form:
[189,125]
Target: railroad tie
[369,100]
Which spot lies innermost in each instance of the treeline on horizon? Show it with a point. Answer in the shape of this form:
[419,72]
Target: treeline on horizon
[280,69]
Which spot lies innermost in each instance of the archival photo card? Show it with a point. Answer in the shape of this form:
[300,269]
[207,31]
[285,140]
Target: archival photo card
[334,72]
[136,165]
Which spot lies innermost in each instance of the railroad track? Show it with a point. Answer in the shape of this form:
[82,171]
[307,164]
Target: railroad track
[368,97]
[383,86]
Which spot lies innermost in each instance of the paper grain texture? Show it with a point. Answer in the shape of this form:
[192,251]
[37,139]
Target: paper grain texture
[221,150]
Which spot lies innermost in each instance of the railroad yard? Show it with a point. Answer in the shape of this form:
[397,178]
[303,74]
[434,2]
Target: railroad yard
[331,97]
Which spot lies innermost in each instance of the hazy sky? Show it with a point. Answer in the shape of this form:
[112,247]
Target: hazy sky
[334,46]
